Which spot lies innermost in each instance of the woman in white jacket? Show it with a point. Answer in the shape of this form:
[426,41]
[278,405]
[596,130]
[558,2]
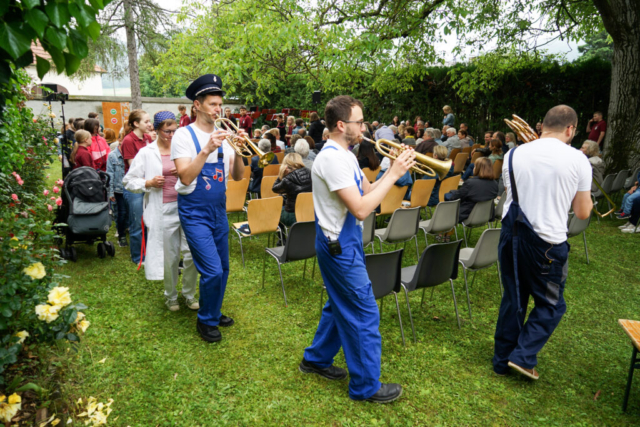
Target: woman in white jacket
[153,173]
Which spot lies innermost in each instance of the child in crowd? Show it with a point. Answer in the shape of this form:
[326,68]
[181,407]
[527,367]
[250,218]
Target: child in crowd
[83,156]
[115,169]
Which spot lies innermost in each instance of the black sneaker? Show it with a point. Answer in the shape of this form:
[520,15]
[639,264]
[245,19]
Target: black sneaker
[208,333]
[330,373]
[226,321]
[387,393]
[122,242]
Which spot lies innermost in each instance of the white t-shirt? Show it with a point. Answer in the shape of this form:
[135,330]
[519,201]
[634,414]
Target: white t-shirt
[182,146]
[548,175]
[333,170]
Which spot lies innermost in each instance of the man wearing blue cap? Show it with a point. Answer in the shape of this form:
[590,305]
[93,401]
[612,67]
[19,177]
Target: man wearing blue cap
[204,160]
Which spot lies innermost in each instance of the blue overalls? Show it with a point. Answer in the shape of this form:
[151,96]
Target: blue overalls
[350,318]
[530,266]
[203,217]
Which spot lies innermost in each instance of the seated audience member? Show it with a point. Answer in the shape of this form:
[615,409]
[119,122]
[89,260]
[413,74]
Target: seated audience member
[496,150]
[440,153]
[503,140]
[402,132]
[510,137]
[302,132]
[312,147]
[83,155]
[256,170]
[420,135]
[410,138]
[367,156]
[272,140]
[628,199]
[428,144]
[257,134]
[265,128]
[437,136]
[294,138]
[464,139]
[592,151]
[325,137]
[276,132]
[299,126]
[452,140]
[294,178]
[375,124]
[393,129]
[464,127]
[487,138]
[631,226]
[481,187]
[302,149]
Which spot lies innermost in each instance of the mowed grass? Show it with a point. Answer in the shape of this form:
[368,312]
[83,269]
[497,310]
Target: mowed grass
[160,373]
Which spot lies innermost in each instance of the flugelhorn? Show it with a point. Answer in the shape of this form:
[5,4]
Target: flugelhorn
[521,128]
[425,165]
[247,148]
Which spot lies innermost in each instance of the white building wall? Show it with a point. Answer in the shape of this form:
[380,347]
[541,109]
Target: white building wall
[90,87]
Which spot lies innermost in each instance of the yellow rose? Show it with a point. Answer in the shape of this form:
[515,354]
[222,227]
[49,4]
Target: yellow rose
[10,409]
[14,398]
[35,271]
[83,325]
[22,335]
[80,317]
[59,296]
[47,312]
[14,238]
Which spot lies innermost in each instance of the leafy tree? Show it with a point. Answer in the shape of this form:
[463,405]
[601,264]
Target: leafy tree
[599,46]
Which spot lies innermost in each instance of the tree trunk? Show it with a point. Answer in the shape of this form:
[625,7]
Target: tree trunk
[622,141]
[132,53]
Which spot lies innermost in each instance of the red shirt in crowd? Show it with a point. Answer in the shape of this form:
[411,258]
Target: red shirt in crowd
[130,146]
[83,158]
[99,150]
[596,129]
[246,123]
[185,121]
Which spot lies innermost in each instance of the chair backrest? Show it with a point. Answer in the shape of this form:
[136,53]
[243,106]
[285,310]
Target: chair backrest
[368,229]
[301,241]
[631,179]
[447,185]
[236,194]
[271,170]
[476,146]
[438,263]
[476,156]
[403,225]
[460,161]
[481,214]
[576,225]
[445,217]
[467,150]
[266,187]
[280,156]
[607,183]
[371,174]
[621,177]
[454,153]
[500,206]
[247,173]
[384,272]
[486,251]
[304,207]
[421,192]
[497,169]
[393,200]
[264,214]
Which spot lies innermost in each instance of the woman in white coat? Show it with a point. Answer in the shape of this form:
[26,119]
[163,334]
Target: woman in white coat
[153,173]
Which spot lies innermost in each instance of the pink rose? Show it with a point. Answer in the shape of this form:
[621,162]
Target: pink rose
[50,208]
[53,198]
[56,190]
[14,197]
[20,182]
[46,192]
[59,182]
[59,201]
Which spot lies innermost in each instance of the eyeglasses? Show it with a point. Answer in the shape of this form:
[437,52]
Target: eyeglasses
[359,122]
[169,132]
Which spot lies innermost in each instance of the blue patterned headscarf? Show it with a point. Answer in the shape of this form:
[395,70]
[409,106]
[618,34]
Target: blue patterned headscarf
[161,116]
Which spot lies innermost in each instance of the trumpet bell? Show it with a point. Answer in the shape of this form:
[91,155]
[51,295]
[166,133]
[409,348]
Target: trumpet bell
[265,159]
[246,147]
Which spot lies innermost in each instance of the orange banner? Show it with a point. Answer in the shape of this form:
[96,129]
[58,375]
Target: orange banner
[115,115]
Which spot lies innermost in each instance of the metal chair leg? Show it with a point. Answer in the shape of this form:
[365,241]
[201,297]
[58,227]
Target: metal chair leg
[464,234]
[464,271]
[264,262]
[456,231]
[241,250]
[304,270]
[455,304]
[422,299]
[630,377]
[417,250]
[404,343]
[586,252]
[282,283]
[406,294]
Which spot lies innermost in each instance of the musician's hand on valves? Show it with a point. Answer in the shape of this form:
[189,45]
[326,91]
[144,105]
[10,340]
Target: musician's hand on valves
[215,141]
[405,161]
[156,182]
[243,134]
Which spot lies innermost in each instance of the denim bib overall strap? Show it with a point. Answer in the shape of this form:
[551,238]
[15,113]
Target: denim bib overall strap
[350,318]
[203,217]
[531,267]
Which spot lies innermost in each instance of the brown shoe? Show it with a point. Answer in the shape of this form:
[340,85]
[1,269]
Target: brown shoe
[531,373]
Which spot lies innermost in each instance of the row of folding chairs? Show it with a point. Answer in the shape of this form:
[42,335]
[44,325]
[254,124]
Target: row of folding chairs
[612,184]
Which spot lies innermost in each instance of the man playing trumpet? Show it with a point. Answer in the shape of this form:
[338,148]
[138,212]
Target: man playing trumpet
[204,160]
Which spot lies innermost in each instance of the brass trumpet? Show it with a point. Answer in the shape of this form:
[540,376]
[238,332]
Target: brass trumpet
[425,165]
[247,148]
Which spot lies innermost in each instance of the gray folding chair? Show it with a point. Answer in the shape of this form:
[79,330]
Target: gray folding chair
[577,226]
[607,185]
[480,215]
[368,231]
[497,212]
[402,228]
[444,219]
[300,245]
[618,183]
[484,255]
[631,179]
[438,264]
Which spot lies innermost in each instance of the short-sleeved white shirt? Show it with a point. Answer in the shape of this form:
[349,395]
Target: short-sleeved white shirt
[182,145]
[548,175]
[333,170]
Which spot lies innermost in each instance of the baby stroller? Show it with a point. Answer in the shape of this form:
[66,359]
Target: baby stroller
[84,216]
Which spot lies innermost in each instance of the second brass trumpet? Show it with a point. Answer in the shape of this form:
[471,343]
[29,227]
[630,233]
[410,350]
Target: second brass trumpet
[247,148]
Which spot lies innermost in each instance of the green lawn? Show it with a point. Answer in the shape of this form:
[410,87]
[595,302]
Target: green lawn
[160,373]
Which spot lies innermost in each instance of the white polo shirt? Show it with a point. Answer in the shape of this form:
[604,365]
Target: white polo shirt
[548,175]
[333,170]
[182,146]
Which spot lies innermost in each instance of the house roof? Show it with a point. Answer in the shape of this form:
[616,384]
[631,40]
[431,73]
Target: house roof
[37,49]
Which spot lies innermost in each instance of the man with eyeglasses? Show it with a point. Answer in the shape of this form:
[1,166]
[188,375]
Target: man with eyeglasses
[343,198]
[543,180]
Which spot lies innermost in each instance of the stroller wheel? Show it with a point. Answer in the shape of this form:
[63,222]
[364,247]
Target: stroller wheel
[64,253]
[102,250]
[111,249]
[72,255]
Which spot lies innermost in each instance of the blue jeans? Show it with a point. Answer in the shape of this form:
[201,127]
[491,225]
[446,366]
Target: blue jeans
[468,172]
[135,203]
[627,201]
[122,215]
